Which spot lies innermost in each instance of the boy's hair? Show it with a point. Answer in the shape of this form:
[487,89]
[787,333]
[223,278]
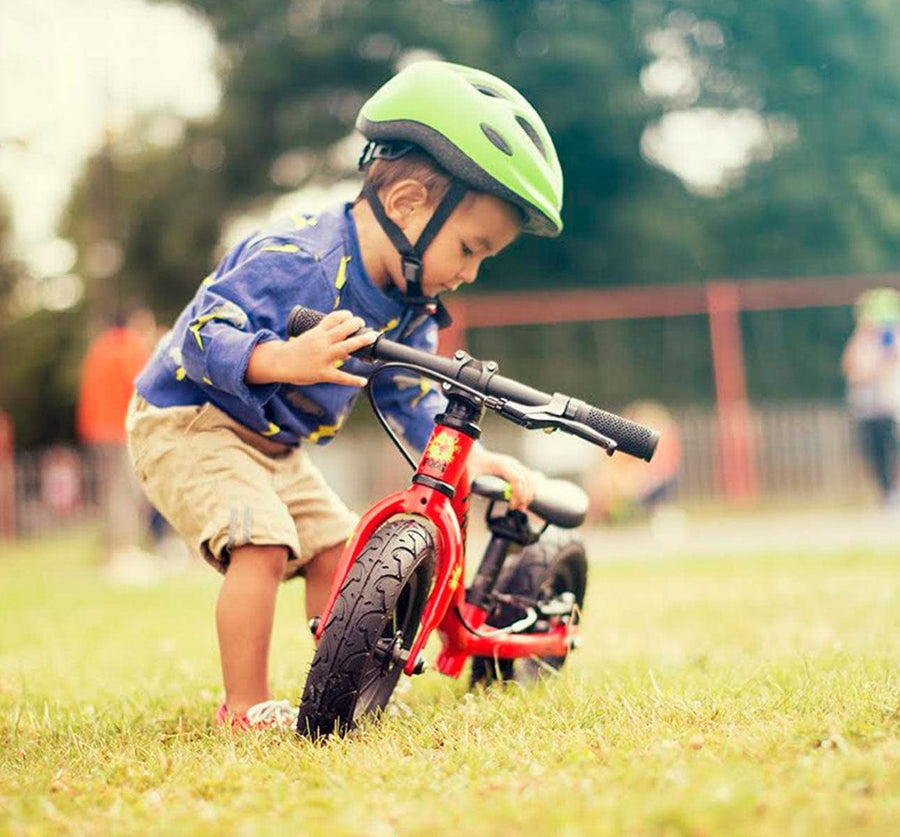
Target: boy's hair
[414,165]
[421,166]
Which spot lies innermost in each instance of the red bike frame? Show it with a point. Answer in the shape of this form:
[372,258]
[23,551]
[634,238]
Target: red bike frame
[460,625]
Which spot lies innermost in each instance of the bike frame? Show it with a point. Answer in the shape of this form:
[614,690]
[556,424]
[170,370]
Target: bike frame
[439,493]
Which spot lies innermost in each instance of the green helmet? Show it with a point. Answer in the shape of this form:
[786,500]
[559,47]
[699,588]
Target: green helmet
[478,128]
[879,306]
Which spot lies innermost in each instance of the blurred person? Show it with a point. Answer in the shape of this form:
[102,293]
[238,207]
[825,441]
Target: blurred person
[456,166]
[871,366]
[623,489]
[61,481]
[112,361]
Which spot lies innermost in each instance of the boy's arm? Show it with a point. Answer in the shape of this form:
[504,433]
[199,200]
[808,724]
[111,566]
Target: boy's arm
[312,358]
[522,480]
[234,340]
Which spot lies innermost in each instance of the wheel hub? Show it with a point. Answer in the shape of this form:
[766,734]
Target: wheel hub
[389,651]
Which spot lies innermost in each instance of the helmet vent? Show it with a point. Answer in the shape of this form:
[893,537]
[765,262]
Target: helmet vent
[496,139]
[489,91]
[533,135]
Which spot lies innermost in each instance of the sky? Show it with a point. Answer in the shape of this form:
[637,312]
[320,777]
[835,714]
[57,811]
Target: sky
[71,70]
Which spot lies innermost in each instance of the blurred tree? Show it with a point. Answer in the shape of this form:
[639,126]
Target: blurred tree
[39,375]
[823,194]
[9,274]
[294,77]
[168,208]
[803,91]
[38,358]
[10,268]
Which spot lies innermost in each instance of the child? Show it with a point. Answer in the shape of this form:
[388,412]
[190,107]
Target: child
[457,164]
[871,366]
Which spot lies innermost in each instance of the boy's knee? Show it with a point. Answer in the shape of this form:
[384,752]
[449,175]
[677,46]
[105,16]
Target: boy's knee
[269,559]
[326,561]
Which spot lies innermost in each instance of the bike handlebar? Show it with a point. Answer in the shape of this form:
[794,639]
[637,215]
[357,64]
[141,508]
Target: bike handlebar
[515,401]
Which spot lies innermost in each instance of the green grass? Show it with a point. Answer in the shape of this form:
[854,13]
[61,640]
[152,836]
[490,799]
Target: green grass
[730,697]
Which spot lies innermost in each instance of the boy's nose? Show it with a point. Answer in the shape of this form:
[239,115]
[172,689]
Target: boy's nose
[468,274]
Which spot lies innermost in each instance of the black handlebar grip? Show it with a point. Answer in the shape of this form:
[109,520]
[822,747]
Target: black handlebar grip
[631,438]
[302,319]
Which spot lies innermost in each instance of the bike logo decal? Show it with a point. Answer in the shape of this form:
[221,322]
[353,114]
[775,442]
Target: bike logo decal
[454,578]
[441,451]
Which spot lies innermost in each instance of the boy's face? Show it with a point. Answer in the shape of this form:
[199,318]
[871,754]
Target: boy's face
[480,227]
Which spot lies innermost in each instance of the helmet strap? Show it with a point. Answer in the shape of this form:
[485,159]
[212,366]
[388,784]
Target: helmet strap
[411,254]
[383,151]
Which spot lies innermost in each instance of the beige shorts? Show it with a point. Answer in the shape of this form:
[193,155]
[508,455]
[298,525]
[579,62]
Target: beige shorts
[221,485]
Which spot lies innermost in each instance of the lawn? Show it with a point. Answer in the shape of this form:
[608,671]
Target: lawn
[756,696]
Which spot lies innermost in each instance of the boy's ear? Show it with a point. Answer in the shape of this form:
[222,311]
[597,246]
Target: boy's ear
[403,200]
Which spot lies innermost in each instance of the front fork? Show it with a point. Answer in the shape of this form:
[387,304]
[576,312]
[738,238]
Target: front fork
[440,493]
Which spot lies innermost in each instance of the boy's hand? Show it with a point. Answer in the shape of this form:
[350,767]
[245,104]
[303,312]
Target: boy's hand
[522,480]
[312,358]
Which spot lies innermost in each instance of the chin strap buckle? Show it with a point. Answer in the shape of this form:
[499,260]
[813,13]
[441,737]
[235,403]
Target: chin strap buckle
[441,314]
[412,273]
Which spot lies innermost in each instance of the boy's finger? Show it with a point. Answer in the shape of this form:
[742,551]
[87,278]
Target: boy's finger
[352,344]
[519,499]
[522,485]
[336,376]
[343,349]
[349,326]
[335,319]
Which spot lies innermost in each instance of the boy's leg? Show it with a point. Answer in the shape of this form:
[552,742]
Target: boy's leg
[245,612]
[319,574]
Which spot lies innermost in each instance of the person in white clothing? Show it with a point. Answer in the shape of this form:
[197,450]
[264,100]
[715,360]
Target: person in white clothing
[871,367]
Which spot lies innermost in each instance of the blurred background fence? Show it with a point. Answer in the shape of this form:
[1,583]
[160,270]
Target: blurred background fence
[806,454]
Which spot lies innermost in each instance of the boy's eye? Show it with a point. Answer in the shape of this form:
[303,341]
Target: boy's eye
[467,251]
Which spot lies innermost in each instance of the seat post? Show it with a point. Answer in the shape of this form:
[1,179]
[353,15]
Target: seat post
[479,592]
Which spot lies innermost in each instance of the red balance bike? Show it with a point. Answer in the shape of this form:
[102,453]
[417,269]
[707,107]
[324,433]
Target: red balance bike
[401,575]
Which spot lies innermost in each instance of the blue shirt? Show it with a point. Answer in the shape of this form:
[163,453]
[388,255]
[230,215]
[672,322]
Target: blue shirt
[305,260]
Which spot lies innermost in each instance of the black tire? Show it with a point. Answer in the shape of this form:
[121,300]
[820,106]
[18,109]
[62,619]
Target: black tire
[541,572]
[378,609]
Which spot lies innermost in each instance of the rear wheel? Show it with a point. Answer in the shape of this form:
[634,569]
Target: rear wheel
[542,574]
[374,620]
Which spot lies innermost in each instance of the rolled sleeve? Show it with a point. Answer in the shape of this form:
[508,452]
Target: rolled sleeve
[227,364]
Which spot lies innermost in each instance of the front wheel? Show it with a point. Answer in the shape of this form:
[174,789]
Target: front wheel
[541,574]
[374,619]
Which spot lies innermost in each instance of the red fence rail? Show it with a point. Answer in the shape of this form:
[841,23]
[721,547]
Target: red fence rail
[721,301]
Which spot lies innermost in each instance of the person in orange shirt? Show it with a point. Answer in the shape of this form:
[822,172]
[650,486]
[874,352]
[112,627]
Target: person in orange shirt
[112,362]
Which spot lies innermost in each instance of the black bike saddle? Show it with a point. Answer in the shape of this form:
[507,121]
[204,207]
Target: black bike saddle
[559,502]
